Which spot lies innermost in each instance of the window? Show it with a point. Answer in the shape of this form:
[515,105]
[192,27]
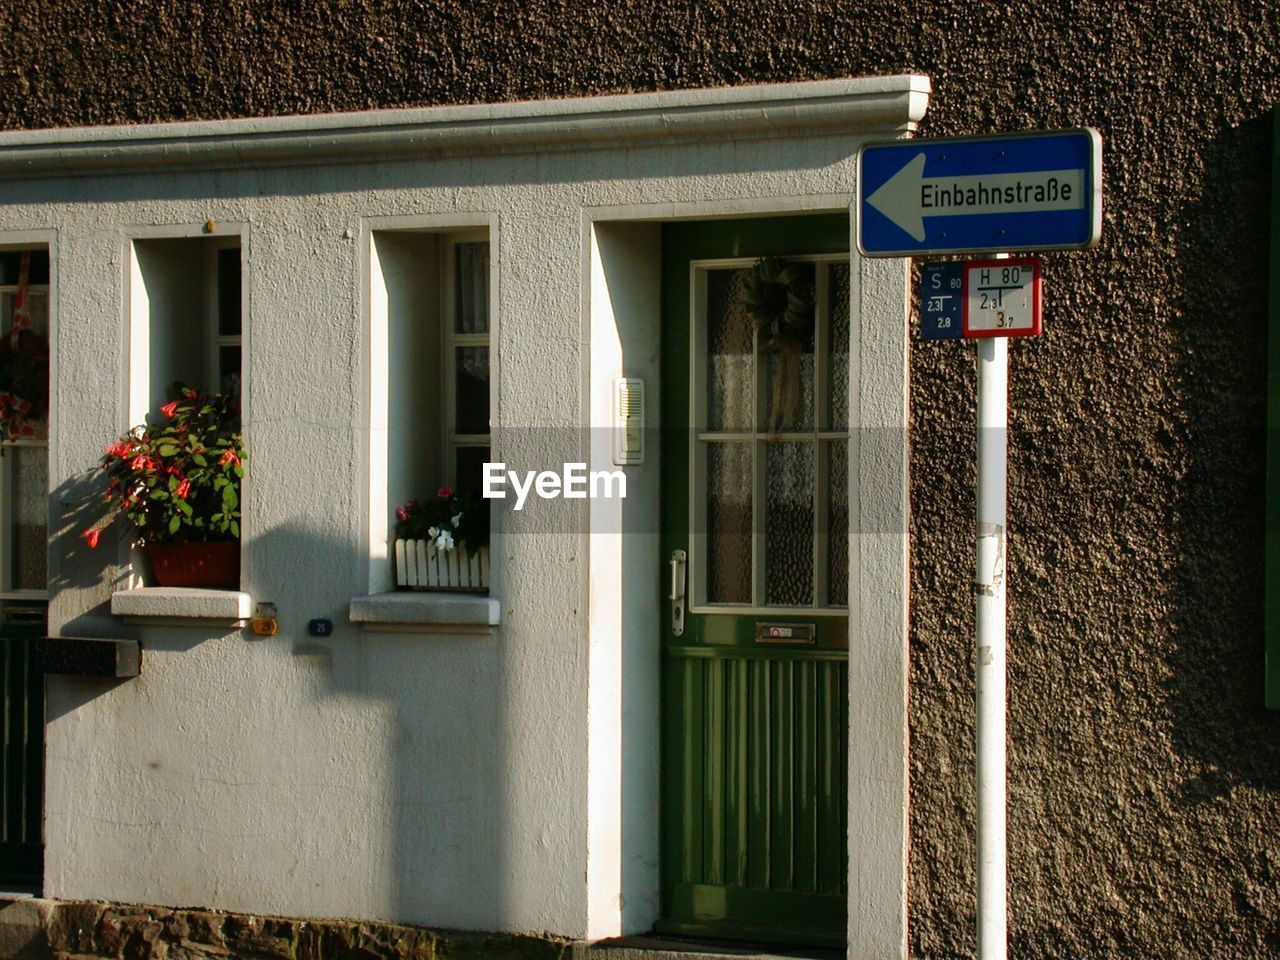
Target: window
[770,449]
[24,289]
[430,385]
[185,326]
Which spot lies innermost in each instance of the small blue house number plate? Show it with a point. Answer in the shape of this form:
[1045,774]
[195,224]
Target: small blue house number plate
[941,300]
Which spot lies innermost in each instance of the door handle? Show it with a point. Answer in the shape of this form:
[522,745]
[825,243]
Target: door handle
[678,563]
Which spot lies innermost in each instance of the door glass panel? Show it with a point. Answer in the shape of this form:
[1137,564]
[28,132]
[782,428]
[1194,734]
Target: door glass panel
[838,350]
[730,369]
[729,503]
[838,523]
[788,504]
[786,344]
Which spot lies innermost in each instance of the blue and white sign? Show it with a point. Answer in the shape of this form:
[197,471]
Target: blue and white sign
[942,300]
[998,194]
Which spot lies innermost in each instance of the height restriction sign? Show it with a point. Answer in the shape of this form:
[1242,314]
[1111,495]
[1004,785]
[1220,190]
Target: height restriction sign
[1001,298]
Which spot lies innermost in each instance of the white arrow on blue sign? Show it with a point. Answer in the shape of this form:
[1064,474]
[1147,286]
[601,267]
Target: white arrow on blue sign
[997,194]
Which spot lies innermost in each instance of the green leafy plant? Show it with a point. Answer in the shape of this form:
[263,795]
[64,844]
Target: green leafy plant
[178,481]
[450,520]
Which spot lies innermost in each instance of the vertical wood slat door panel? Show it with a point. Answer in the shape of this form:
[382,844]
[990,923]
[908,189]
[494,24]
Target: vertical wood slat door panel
[765,770]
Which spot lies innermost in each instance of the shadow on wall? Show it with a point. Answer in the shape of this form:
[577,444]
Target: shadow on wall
[1216,660]
[75,505]
[435,805]
[363,773]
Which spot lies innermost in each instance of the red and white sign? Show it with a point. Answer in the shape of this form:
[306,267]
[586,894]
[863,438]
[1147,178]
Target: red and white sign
[1001,297]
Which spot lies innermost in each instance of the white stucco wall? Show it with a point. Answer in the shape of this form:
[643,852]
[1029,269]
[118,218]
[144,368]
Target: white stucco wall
[501,781]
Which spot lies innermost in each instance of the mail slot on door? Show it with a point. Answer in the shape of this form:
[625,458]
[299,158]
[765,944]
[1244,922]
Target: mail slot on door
[797,634]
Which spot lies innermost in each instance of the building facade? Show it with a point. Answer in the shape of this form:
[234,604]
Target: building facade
[349,193]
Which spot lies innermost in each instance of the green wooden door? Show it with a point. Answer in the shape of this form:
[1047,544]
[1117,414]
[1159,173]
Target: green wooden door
[755,452]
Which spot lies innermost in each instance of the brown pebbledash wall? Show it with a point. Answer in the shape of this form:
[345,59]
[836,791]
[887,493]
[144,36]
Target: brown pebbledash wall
[1144,772]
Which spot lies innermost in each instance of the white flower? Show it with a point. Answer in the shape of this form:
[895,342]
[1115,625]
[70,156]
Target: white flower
[457,520]
[444,541]
[433,532]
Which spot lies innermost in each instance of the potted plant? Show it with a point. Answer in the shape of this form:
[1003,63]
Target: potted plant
[442,544]
[177,484]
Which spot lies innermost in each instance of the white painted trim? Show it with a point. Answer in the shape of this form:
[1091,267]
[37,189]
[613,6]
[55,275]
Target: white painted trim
[820,107]
[182,603]
[878,596]
[878,571]
[426,608]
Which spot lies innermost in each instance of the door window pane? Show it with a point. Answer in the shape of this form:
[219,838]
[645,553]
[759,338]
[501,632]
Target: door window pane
[838,348]
[788,523]
[730,345]
[838,523]
[785,340]
[729,522]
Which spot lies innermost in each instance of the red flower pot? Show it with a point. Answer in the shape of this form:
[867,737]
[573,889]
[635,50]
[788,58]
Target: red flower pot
[214,564]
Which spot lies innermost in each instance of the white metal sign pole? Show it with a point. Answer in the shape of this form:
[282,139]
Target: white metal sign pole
[989,662]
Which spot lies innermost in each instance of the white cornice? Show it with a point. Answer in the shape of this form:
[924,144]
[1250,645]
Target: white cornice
[822,107]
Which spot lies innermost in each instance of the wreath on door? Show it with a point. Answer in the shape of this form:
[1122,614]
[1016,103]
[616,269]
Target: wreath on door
[778,297]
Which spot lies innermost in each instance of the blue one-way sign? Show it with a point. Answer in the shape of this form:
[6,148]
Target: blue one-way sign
[997,194]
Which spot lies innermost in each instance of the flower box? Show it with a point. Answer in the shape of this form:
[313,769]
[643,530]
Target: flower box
[215,564]
[421,566]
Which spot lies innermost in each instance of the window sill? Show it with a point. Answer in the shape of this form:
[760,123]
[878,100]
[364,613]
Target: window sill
[427,612]
[182,605]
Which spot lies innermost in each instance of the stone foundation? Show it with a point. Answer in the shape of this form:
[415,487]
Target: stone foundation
[65,930]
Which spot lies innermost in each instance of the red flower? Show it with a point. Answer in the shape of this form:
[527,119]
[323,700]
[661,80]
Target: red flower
[117,449]
[184,488]
[444,493]
[229,457]
[170,409]
[91,537]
